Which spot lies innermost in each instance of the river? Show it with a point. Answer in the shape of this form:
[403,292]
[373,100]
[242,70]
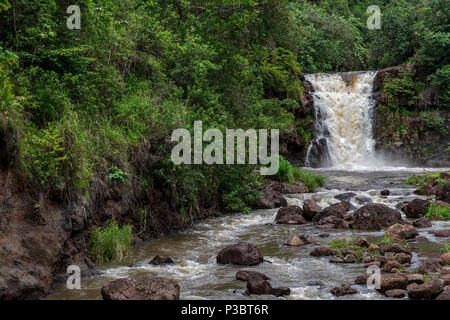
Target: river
[194,250]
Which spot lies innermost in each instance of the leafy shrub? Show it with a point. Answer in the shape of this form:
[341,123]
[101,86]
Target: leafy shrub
[437,212]
[110,243]
[116,174]
[309,179]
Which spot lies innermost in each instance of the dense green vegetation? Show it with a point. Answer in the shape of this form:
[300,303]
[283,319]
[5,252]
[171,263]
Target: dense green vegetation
[110,243]
[100,103]
[289,173]
[437,212]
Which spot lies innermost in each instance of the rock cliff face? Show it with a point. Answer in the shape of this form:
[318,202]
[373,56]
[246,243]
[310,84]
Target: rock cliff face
[418,136]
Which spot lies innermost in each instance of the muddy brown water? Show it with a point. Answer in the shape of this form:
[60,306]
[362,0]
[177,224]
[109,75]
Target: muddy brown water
[194,250]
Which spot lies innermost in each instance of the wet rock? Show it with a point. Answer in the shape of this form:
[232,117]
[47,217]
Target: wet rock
[401,205]
[315,283]
[444,295]
[361,279]
[367,259]
[396,293]
[290,215]
[421,239]
[442,203]
[324,251]
[430,265]
[295,241]
[415,278]
[403,258]
[363,199]
[385,192]
[334,222]
[373,247]
[270,199]
[243,253]
[391,281]
[393,247]
[146,288]
[281,291]
[391,265]
[402,231]
[444,193]
[422,223]
[429,290]
[244,275]
[336,209]
[416,208]
[350,258]
[159,260]
[441,233]
[336,260]
[343,290]
[345,196]
[256,285]
[445,257]
[375,216]
[446,279]
[324,235]
[310,209]
[362,242]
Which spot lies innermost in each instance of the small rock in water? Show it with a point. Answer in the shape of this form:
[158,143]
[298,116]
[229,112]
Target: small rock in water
[396,293]
[422,223]
[244,275]
[345,196]
[402,231]
[343,290]
[385,192]
[281,291]
[315,283]
[295,241]
[441,233]
[363,199]
[159,260]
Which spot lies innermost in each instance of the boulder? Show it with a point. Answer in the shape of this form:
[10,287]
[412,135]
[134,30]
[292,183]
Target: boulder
[375,216]
[158,260]
[290,215]
[402,231]
[324,251]
[445,257]
[422,223]
[391,281]
[444,193]
[244,275]
[243,253]
[343,290]
[256,285]
[444,295]
[281,291]
[310,209]
[393,247]
[415,278]
[396,293]
[430,265]
[295,241]
[146,288]
[336,209]
[363,199]
[441,233]
[428,290]
[416,208]
[333,222]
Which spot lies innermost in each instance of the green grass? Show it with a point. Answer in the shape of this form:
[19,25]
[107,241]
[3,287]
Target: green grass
[446,248]
[111,243]
[437,212]
[288,173]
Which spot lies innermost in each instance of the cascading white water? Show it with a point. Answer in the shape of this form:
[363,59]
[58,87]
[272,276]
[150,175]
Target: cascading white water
[343,104]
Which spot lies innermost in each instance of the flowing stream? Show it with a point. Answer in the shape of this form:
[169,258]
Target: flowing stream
[343,104]
[194,250]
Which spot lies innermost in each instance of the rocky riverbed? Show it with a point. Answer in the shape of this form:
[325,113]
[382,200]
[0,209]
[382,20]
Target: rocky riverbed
[354,207]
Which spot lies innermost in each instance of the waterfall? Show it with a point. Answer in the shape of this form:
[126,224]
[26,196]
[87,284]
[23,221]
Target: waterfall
[343,133]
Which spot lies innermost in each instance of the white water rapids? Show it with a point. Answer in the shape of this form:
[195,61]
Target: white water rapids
[343,104]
